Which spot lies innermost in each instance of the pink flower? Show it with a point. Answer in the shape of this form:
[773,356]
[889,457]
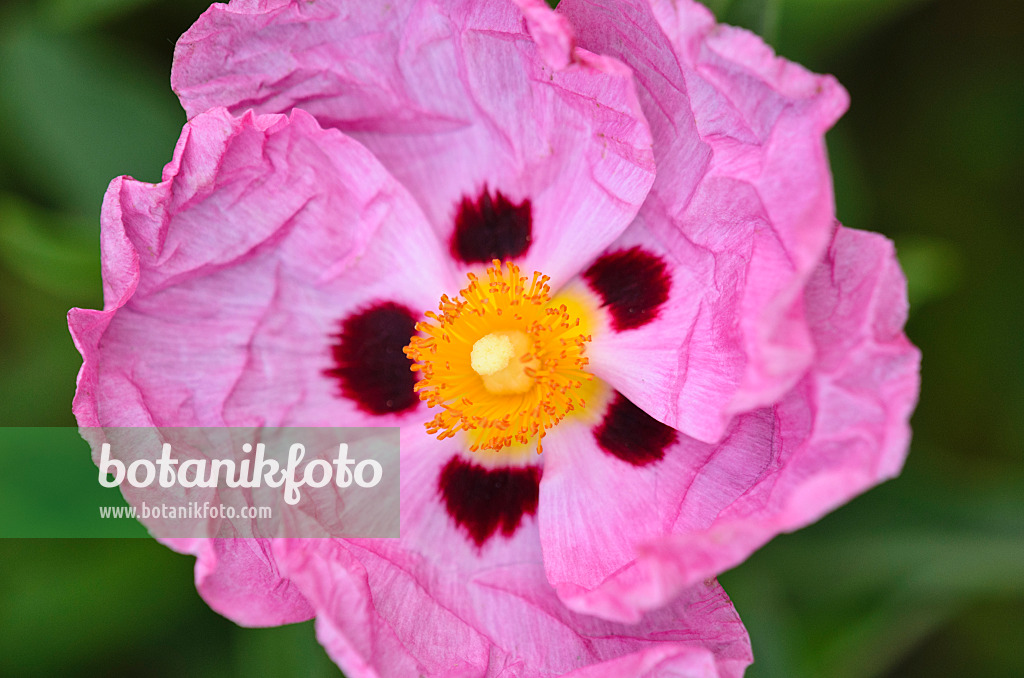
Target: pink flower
[712,359]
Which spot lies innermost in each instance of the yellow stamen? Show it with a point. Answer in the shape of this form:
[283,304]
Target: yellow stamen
[502,361]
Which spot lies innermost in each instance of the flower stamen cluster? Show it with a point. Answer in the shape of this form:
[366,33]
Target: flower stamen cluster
[502,361]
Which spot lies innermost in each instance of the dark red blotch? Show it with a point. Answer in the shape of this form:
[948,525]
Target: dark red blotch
[491,227]
[632,435]
[633,284]
[483,501]
[368,360]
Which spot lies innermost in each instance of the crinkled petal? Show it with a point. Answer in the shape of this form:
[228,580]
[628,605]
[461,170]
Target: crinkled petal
[682,365]
[842,429]
[434,604]
[665,661]
[239,578]
[587,542]
[551,31]
[742,201]
[225,284]
[454,98]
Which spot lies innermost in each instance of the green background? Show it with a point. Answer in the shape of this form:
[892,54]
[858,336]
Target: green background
[923,576]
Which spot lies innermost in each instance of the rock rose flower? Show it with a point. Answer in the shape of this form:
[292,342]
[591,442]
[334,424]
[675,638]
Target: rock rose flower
[603,233]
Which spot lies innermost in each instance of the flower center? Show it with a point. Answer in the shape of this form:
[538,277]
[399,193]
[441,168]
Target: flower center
[503,361]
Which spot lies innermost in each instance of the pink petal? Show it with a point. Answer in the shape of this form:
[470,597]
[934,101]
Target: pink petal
[685,364]
[433,604]
[551,32]
[665,660]
[226,282]
[742,200]
[240,579]
[588,542]
[452,97]
[841,430]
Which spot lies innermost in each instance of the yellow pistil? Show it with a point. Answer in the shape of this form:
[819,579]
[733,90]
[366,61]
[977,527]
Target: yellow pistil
[497,358]
[491,354]
[502,361]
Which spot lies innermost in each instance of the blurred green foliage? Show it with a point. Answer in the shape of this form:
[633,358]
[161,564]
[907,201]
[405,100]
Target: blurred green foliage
[921,577]
[43,469]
